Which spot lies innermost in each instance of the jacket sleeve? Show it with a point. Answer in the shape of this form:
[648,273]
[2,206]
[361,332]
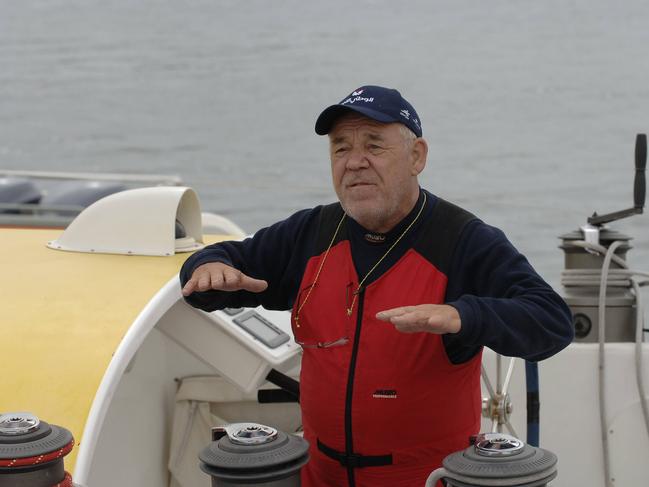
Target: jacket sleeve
[274,254]
[503,303]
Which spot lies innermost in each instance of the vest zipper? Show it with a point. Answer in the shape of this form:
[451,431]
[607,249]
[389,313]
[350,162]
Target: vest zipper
[349,441]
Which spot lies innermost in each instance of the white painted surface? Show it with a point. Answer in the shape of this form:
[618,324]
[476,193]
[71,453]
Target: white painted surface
[136,222]
[570,425]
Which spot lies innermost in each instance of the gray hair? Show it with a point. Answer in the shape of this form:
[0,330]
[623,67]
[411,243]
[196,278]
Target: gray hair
[408,135]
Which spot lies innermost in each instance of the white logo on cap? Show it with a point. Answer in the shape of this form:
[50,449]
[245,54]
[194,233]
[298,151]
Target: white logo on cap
[356,93]
[357,98]
[405,114]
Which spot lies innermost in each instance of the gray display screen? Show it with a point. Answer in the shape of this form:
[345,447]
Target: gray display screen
[262,329]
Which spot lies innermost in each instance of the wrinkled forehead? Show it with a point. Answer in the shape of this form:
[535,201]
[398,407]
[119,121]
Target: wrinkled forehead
[354,123]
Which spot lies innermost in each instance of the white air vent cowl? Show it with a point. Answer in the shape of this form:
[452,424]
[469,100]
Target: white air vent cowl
[136,222]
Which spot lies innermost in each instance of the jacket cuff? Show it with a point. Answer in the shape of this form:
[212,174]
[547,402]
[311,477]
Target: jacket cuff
[469,324]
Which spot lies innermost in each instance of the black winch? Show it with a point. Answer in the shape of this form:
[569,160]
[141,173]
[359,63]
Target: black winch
[497,459]
[32,451]
[251,453]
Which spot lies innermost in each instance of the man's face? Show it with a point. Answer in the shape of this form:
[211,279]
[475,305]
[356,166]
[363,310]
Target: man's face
[374,168]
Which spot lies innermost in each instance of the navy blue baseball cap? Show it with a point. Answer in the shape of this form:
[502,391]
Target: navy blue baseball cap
[376,102]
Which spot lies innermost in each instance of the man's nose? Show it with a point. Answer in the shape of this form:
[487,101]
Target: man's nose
[357,159]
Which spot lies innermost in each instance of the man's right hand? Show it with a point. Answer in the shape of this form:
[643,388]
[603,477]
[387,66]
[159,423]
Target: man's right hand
[220,277]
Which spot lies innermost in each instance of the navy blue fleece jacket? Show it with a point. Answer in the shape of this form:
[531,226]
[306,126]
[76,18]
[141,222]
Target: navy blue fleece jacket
[503,303]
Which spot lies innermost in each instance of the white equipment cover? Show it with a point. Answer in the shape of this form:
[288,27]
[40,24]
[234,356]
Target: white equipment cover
[208,401]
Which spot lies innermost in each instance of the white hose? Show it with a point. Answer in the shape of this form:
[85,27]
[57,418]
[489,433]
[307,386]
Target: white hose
[602,377]
[545,475]
[436,475]
[618,278]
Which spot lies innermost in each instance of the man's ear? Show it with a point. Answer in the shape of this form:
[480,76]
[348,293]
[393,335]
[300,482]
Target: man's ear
[419,153]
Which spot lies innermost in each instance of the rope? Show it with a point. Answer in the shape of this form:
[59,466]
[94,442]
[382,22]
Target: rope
[66,482]
[29,461]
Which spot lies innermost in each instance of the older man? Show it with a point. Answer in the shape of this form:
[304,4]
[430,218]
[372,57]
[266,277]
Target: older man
[393,292]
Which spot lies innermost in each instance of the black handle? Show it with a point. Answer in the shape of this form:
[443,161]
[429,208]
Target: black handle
[285,382]
[639,187]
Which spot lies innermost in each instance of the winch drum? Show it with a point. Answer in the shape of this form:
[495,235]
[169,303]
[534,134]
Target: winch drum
[497,459]
[254,454]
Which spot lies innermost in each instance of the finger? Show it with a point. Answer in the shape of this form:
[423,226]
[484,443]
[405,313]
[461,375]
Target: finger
[388,314]
[190,287]
[412,327]
[231,279]
[216,280]
[410,318]
[253,285]
[204,283]
[237,281]
[421,320]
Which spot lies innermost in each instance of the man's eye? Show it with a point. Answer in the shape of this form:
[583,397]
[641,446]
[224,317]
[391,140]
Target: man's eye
[340,150]
[374,147]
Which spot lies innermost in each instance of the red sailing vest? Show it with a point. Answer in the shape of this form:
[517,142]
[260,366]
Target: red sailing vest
[381,407]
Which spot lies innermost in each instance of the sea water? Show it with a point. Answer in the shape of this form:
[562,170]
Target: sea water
[530,108]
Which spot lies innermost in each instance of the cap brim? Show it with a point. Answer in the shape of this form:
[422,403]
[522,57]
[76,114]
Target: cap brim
[330,114]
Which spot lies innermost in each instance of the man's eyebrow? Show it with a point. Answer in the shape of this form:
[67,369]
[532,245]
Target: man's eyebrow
[372,136]
[375,137]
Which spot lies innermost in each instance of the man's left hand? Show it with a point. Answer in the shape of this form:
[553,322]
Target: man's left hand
[431,318]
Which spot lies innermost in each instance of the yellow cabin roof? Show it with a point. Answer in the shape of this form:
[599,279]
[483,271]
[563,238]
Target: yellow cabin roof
[62,317]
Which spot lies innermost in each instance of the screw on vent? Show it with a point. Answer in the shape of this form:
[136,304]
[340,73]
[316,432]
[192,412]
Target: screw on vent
[497,445]
[254,434]
[245,433]
[14,424]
